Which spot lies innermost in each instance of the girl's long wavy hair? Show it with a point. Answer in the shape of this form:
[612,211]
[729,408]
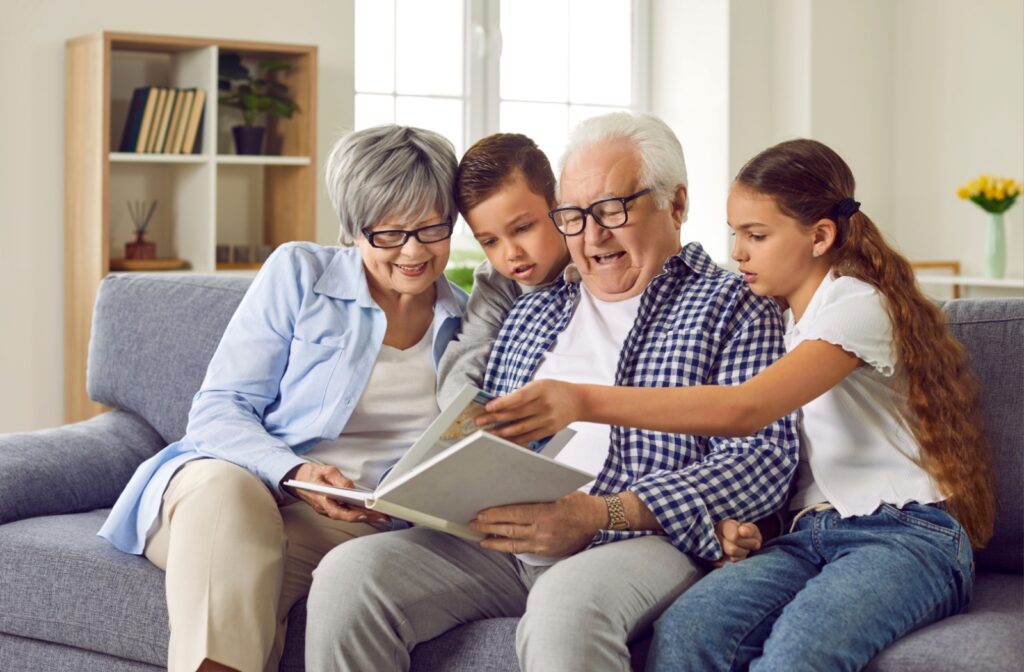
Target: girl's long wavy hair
[806,180]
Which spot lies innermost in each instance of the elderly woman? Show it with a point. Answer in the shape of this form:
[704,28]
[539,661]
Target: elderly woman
[325,373]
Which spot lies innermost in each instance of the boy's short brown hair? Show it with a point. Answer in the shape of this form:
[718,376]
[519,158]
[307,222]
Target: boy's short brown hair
[493,161]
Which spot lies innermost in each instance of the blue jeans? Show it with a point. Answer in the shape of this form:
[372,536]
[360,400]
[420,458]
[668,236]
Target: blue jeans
[828,596]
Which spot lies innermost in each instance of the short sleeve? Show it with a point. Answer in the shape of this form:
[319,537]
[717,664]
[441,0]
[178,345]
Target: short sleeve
[853,315]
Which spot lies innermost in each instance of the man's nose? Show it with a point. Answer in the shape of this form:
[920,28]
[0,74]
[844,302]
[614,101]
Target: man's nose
[594,232]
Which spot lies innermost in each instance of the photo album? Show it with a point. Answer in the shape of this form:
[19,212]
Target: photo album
[456,469]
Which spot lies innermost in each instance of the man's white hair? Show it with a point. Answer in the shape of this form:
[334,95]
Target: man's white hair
[662,166]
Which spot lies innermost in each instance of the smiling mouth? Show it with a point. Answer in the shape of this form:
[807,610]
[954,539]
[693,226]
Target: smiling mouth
[412,269]
[610,257]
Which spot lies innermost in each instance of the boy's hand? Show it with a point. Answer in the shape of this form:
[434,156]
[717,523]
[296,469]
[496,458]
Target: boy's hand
[737,539]
[538,409]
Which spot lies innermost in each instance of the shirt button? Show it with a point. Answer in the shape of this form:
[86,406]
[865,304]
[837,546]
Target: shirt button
[349,401]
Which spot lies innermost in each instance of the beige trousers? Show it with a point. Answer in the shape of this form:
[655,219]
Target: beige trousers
[235,565]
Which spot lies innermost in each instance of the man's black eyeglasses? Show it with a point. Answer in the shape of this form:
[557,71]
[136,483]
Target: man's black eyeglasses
[609,213]
[434,233]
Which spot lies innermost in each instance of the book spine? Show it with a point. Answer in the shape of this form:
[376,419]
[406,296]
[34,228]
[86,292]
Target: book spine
[152,93]
[165,121]
[194,134]
[133,120]
[158,117]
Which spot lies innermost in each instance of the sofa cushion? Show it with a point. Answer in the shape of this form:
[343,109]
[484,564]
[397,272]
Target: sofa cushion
[153,337]
[988,638]
[992,330]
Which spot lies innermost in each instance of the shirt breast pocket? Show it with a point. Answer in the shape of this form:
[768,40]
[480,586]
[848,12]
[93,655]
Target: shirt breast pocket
[307,380]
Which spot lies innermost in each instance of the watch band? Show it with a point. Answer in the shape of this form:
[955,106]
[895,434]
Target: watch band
[616,513]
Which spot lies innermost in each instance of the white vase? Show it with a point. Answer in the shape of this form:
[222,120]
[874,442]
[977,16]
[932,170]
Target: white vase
[995,246]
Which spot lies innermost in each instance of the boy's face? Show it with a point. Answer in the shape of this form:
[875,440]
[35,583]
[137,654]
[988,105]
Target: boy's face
[518,238]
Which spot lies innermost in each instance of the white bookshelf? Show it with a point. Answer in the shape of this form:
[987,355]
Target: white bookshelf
[206,199]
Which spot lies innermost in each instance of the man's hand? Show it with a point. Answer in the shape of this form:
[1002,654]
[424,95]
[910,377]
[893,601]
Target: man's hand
[324,505]
[538,409]
[554,529]
[738,540]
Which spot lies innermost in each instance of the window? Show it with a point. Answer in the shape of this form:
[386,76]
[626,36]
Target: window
[469,68]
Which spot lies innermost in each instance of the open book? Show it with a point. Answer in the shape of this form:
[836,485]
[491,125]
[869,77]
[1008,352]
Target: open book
[455,470]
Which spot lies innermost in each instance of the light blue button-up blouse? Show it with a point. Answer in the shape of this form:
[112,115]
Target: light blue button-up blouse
[289,370]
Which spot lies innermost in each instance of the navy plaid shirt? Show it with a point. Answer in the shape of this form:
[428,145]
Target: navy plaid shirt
[697,325]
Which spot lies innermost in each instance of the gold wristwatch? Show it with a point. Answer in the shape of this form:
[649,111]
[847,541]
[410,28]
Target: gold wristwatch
[616,513]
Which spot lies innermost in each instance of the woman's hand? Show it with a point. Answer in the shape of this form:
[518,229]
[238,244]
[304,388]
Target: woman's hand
[536,410]
[323,474]
[738,540]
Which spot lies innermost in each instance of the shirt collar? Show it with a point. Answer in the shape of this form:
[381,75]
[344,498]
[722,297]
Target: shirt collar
[345,279]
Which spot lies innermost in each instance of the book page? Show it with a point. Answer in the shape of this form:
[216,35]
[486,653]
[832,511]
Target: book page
[455,423]
[480,472]
[353,496]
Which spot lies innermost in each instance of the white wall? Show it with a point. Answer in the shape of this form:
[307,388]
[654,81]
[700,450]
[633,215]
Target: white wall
[958,109]
[917,95]
[32,36]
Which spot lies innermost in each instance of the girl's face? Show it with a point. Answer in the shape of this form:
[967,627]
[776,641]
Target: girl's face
[517,236]
[774,251]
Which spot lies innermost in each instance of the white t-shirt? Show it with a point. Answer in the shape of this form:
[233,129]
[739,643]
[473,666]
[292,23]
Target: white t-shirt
[398,404]
[587,351]
[857,450]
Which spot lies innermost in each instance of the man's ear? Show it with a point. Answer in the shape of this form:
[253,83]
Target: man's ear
[823,236]
[679,199]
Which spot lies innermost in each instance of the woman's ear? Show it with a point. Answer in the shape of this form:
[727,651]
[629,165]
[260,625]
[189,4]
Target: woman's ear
[823,236]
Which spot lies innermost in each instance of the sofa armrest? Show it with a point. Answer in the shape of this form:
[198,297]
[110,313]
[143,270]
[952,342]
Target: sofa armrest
[73,468]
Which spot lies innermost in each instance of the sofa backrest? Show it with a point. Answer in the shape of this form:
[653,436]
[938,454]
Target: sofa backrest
[152,339]
[992,330]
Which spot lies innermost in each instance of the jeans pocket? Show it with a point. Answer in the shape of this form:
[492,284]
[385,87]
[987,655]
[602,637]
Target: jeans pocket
[927,518]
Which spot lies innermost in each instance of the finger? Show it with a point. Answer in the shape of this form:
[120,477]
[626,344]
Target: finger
[719,564]
[334,477]
[529,437]
[521,514]
[506,545]
[510,400]
[503,530]
[522,427]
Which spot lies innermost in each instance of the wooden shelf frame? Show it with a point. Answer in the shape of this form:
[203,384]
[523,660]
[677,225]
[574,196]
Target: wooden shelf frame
[288,177]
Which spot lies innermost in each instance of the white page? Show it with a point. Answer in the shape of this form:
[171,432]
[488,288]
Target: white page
[347,495]
[457,417]
[480,472]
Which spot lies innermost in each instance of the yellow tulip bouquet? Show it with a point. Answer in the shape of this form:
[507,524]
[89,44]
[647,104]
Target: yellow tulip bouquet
[992,194]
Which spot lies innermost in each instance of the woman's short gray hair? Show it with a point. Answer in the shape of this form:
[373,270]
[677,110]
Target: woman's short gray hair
[662,166]
[389,171]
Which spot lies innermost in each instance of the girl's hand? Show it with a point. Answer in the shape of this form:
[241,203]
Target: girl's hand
[324,505]
[738,540]
[538,409]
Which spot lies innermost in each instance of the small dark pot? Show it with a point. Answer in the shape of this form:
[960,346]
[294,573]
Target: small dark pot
[248,139]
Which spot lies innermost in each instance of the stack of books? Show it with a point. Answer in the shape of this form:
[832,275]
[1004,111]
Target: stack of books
[164,121]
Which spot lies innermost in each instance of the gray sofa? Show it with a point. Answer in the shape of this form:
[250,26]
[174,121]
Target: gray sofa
[69,601]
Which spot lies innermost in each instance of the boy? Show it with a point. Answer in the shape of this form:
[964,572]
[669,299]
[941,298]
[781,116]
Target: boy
[504,189]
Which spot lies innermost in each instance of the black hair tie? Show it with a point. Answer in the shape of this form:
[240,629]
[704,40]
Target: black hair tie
[846,207]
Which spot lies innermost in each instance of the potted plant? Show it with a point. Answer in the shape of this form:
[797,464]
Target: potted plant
[994,195]
[254,96]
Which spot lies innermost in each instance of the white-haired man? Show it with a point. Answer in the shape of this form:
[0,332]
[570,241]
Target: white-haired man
[591,571]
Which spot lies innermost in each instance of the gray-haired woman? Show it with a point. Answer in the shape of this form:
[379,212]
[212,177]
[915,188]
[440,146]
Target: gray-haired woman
[325,373]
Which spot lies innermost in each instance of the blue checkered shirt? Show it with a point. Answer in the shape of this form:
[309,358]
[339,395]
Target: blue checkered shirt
[697,325]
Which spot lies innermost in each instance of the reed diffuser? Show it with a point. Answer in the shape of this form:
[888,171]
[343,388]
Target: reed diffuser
[141,213]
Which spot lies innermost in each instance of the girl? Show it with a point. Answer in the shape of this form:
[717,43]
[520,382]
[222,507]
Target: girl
[894,485]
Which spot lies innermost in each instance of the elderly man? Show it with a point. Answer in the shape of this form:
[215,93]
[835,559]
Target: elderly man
[593,570]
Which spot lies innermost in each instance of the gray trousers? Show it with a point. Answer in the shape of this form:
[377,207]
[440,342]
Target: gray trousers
[374,598]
